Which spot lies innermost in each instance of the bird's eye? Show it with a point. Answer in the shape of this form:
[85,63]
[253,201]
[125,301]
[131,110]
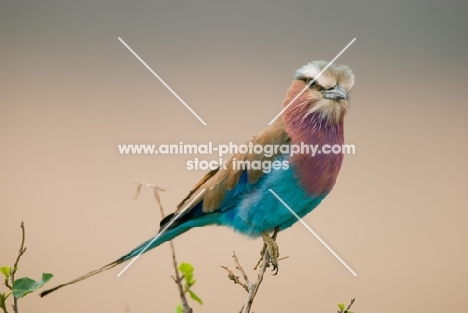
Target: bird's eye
[311,82]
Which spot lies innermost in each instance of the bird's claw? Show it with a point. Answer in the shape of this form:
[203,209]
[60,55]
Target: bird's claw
[273,251]
[271,247]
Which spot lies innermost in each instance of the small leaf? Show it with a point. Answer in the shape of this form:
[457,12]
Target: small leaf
[5,270]
[187,270]
[179,309]
[3,297]
[341,306]
[25,285]
[195,297]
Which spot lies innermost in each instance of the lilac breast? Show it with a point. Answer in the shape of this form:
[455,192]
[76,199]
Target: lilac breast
[316,174]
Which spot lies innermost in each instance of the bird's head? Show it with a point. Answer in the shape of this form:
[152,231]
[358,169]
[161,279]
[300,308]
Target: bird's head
[326,96]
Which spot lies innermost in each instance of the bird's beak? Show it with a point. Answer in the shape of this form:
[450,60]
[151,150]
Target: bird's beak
[335,93]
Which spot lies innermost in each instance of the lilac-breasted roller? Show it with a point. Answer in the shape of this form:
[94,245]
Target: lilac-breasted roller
[240,198]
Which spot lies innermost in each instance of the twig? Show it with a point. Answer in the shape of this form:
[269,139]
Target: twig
[350,304]
[251,288]
[177,278]
[254,287]
[348,308]
[235,278]
[3,302]
[141,183]
[240,269]
[22,250]
[178,281]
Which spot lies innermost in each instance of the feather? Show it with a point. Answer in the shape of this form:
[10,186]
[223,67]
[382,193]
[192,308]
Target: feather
[220,181]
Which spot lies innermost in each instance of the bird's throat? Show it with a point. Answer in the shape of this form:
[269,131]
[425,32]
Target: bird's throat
[316,169]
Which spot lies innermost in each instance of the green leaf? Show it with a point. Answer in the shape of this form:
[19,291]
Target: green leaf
[195,297]
[5,270]
[187,270]
[3,297]
[179,309]
[25,285]
[341,306]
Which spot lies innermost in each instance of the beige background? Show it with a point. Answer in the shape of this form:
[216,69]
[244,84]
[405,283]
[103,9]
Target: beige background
[70,92]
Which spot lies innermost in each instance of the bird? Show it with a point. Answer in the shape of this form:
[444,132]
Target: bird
[239,198]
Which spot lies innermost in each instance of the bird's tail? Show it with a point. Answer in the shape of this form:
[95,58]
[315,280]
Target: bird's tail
[92,273]
[152,243]
[147,245]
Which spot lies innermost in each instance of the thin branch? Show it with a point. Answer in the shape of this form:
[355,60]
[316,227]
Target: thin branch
[177,279]
[21,251]
[251,288]
[3,303]
[240,268]
[254,287]
[349,306]
[138,190]
[7,283]
[235,278]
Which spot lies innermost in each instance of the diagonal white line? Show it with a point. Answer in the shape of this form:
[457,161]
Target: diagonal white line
[312,81]
[162,81]
[314,233]
[161,232]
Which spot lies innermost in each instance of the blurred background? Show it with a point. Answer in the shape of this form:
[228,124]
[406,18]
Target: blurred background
[70,92]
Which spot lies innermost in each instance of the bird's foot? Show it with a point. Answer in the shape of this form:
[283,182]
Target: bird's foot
[271,247]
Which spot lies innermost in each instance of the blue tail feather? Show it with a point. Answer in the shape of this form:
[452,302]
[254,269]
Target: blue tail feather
[173,231]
